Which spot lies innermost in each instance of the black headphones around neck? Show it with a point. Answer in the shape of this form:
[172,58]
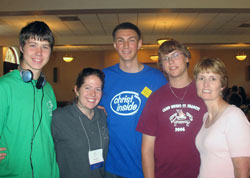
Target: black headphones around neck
[27,76]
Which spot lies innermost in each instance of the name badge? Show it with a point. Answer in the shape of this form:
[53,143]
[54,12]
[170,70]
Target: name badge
[96,159]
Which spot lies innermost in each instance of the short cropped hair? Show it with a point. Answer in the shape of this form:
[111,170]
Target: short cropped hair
[87,72]
[169,46]
[125,26]
[214,65]
[36,30]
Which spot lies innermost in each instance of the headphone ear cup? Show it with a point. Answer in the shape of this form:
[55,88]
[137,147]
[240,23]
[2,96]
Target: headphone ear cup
[40,82]
[26,75]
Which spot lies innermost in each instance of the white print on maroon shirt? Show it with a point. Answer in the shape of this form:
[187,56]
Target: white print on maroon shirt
[181,120]
[125,103]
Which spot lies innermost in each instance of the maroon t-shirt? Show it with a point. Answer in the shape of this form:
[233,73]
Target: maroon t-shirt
[175,124]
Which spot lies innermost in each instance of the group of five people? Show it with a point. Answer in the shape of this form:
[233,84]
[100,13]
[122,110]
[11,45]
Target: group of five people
[150,127]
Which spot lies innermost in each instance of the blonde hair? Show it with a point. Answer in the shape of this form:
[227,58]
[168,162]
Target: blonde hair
[214,65]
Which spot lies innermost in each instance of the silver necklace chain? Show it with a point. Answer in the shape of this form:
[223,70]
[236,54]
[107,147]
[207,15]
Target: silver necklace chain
[182,98]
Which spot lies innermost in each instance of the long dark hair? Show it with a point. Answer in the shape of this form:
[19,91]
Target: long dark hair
[87,72]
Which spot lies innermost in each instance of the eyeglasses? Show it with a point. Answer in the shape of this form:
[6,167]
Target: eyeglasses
[172,56]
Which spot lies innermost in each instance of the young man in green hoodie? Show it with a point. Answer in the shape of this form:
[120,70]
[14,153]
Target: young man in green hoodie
[26,106]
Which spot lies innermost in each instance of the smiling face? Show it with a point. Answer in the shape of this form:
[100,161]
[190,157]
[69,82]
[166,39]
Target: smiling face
[36,54]
[90,93]
[127,43]
[175,64]
[209,86]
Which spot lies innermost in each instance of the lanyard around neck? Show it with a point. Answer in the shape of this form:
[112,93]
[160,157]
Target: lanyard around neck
[87,134]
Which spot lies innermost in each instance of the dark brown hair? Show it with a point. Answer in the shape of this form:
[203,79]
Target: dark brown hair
[169,46]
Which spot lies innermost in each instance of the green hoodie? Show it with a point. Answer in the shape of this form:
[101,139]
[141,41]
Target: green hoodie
[22,119]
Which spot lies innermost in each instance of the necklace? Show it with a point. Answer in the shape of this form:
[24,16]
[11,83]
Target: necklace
[182,98]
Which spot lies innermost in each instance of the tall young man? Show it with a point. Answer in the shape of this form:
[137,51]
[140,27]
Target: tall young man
[126,90]
[26,106]
[171,119]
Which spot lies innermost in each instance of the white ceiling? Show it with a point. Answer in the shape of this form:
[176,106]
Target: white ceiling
[201,27]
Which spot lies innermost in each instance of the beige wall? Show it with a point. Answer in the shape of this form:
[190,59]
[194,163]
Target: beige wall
[195,57]
[238,72]
[111,57]
[67,72]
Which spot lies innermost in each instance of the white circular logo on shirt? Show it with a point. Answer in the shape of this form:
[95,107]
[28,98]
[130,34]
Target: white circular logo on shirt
[125,103]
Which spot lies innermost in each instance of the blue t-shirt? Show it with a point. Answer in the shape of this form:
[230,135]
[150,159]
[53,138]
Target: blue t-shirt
[124,97]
